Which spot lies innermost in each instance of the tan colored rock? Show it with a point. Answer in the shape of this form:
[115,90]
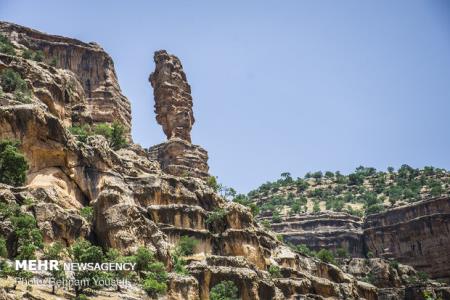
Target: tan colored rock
[92,66]
[180,158]
[173,100]
[416,234]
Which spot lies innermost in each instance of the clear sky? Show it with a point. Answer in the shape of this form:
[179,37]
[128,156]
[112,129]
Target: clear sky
[279,86]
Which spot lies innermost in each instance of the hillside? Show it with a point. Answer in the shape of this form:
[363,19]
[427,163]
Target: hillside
[362,192]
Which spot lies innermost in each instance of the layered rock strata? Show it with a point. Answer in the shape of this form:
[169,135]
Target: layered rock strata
[416,234]
[325,230]
[89,63]
[173,100]
[139,200]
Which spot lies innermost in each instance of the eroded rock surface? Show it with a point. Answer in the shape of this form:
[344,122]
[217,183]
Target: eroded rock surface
[141,197]
[173,100]
[91,65]
[416,234]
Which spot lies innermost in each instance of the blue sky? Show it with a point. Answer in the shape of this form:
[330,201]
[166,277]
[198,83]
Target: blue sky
[279,86]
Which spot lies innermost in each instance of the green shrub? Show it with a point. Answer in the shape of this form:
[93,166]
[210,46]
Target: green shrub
[115,133]
[342,253]
[369,278]
[5,46]
[28,236]
[87,212]
[225,290]
[370,254]
[83,251]
[155,282]
[422,276]
[81,132]
[266,224]
[316,207]
[38,56]
[375,208]
[186,246]
[394,264]
[153,287]
[114,256]
[216,215]
[55,252]
[28,54]
[13,165]
[326,256]
[304,249]
[103,129]
[212,183]
[3,248]
[276,217]
[143,258]
[179,265]
[11,81]
[274,271]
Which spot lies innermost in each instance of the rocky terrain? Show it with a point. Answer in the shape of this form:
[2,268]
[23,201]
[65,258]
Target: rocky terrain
[62,102]
[324,213]
[415,234]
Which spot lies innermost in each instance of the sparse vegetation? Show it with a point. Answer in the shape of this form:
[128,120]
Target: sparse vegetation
[6,46]
[186,246]
[55,252]
[83,251]
[87,212]
[12,82]
[225,290]
[115,133]
[212,183]
[365,191]
[13,165]
[326,256]
[342,253]
[216,215]
[274,271]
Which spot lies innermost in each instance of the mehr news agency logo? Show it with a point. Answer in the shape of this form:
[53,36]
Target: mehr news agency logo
[71,267]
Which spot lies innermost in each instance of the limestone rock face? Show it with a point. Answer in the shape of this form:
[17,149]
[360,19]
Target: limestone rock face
[417,234]
[173,100]
[140,197]
[181,158]
[173,108]
[92,66]
[325,230]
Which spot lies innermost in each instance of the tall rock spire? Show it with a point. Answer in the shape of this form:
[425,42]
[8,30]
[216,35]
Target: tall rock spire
[173,100]
[173,108]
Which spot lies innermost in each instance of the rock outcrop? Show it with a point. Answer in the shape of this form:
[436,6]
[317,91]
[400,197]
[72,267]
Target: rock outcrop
[173,100]
[91,65]
[173,108]
[324,230]
[140,197]
[416,234]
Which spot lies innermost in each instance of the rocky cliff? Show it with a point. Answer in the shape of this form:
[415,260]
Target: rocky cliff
[88,62]
[416,234]
[324,230]
[141,197]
